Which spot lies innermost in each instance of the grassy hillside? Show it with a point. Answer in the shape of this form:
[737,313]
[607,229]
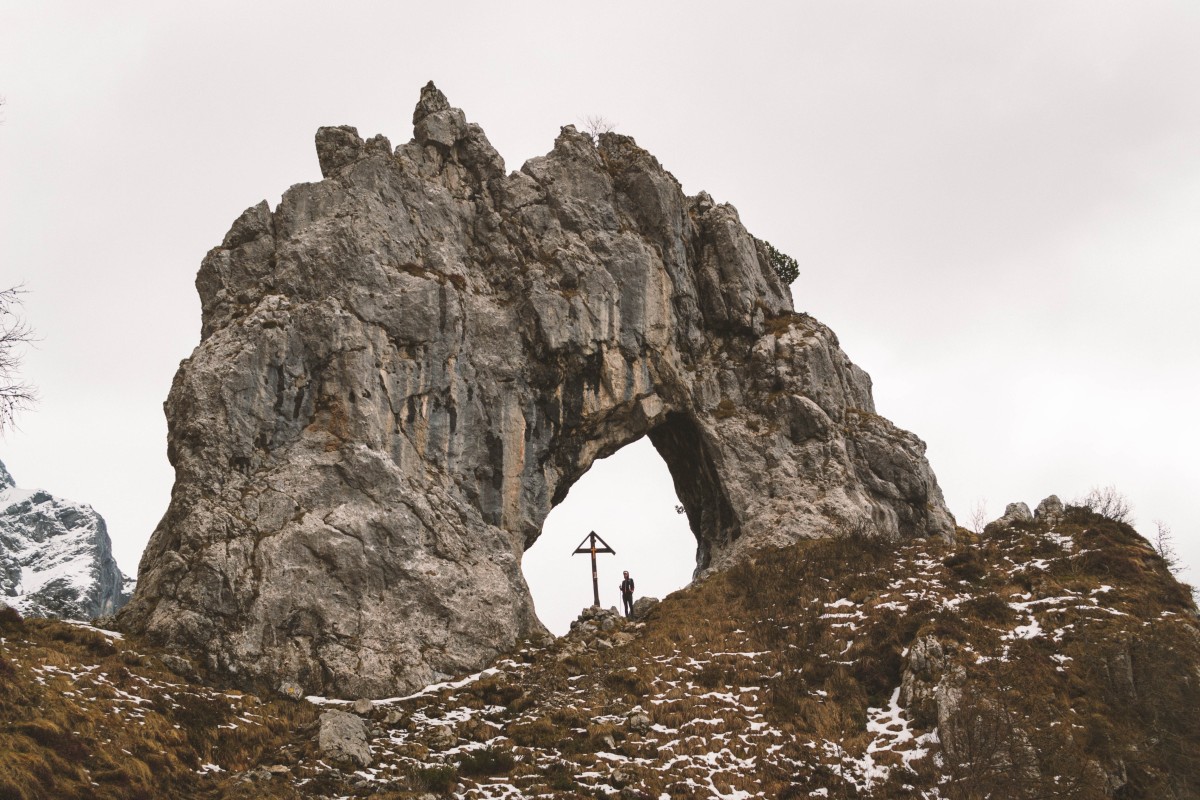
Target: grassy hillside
[1032,661]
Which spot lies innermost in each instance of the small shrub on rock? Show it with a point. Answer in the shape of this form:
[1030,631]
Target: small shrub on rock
[784,265]
[488,761]
[540,732]
[440,778]
[10,619]
[990,608]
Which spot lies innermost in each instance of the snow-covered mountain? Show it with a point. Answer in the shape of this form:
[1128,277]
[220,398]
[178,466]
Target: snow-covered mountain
[55,556]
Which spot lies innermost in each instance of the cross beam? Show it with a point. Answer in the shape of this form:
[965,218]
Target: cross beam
[590,540]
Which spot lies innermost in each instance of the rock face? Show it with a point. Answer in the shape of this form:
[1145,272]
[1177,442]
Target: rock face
[405,366]
[55,556]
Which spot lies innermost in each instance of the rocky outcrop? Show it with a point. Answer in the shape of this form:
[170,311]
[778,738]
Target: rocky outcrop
[55,556]
[405,366]
[1014,513]
[1050,510]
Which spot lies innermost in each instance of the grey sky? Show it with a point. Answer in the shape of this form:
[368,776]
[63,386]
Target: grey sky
[995,205]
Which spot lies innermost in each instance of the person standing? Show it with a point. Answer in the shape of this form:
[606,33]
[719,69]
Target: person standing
[627,594]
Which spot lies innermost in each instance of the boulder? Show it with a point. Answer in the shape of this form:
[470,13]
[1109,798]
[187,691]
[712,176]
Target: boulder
[642,606]
[344,736]
[1014,512]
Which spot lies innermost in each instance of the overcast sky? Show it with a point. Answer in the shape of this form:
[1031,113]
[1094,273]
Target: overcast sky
[995,205]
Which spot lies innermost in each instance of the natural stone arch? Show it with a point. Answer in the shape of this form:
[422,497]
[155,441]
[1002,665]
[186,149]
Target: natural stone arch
[688,456]
[405,365]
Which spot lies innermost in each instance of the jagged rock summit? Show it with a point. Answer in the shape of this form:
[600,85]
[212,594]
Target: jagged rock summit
[55,556]
[406,365]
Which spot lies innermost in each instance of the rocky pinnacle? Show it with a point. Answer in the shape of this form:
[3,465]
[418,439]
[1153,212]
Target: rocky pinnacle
[406,365]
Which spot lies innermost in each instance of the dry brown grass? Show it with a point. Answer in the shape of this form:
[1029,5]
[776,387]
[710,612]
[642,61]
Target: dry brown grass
[84,715]
[759,679]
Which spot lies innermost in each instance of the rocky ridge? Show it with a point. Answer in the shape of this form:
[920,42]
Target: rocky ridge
[56,557]
[405,366]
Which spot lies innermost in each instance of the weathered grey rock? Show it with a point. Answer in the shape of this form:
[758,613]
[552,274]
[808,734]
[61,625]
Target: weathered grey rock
[922,674]
[621,776]
[441,737]
[1015,512]
[1050,509]
[405,366]
[180,666]
[344,735]
[642,606]
[256,775]
[55,556]
[291,689]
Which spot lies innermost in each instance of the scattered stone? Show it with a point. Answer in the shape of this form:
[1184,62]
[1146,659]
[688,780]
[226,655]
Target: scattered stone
[344,736]
[478,731]
[441,737]
[256,775]
[621,777]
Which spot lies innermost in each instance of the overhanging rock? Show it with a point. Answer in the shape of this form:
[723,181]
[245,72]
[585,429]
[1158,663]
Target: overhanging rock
[405,366]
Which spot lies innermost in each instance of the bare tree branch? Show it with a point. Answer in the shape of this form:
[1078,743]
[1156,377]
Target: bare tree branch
[1108,502]
[978,519]
[1164,545]
[15,394]
[594,125]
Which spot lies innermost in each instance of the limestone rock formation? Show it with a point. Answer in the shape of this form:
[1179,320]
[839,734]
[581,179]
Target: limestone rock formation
[1050,509]
[1013,513]
[55,556]
[405,366]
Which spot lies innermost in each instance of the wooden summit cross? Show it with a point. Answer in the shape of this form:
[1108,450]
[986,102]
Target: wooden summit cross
[591,540]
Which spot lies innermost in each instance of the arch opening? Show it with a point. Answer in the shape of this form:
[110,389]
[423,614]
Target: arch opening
[630,500]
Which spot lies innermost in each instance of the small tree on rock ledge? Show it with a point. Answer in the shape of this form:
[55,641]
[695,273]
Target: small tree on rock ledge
[784,265]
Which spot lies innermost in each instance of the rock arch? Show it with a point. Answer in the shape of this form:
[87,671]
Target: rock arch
[404,366]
